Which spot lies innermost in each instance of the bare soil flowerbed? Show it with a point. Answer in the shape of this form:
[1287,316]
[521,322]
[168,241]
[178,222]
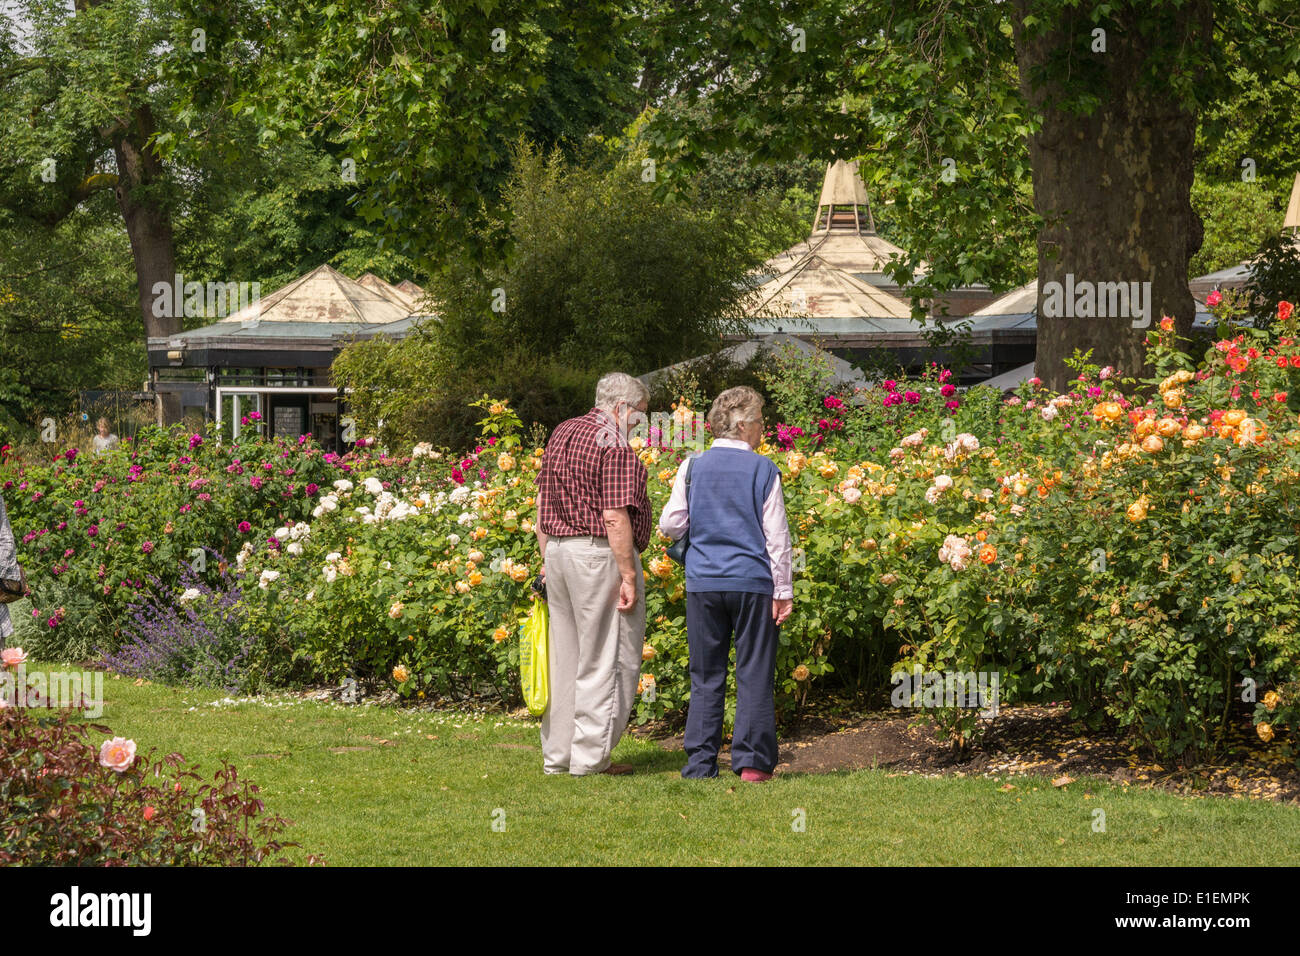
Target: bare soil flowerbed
[1037,740]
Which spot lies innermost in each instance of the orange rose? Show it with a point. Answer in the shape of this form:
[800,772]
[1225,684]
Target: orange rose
[1194,432]
[1234,417]
[1152,444]
[988,553]
[1168,428]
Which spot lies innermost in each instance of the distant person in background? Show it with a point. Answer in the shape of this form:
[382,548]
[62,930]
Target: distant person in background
[105,439]
[9,570]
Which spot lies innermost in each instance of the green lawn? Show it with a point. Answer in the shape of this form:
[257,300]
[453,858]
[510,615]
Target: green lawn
[429,786]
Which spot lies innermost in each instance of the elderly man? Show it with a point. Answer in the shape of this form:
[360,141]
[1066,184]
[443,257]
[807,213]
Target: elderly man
[593,522]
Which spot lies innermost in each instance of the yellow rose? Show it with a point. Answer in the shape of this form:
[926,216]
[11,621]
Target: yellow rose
[496,408]
[647,652]
[1272,699]
[475,578]
[476,556]
[462,587]
[519,573]
[1174,398]
[1137,511]
[1265,732]
[828,470]
[1194,432]
[400,674]
[1168,428]
[1152,444]
[505,462]
[500,634]
[800,673]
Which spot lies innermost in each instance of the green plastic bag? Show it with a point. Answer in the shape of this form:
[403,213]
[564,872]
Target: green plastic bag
[534,659]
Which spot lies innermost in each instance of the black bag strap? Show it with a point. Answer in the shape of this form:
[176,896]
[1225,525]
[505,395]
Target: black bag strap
[689,462]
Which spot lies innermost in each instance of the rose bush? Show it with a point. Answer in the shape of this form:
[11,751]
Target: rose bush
[1128,546]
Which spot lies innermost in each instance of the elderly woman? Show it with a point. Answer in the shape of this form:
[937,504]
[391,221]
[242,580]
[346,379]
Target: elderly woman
[8,568]
[738,580]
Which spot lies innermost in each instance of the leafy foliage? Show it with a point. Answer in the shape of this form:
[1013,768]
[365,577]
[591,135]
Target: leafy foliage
[64,809]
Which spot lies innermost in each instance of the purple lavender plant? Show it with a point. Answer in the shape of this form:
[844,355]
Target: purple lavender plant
[199,642]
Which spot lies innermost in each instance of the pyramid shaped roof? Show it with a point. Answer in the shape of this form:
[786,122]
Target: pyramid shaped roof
[387,290]
[829,274]
[323,295]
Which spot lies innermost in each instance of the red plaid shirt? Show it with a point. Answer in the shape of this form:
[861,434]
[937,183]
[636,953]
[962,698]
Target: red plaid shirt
[588,468]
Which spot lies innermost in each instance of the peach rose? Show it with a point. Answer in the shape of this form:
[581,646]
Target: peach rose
[117,754]
[13,656]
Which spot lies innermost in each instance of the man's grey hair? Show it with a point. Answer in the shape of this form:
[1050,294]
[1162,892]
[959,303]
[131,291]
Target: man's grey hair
[732,408]
[620,387]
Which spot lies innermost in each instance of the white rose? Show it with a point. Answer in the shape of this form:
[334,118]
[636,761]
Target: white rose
[281,533]
[294,547]
[267,577]
[942,482]
[374,485]
[191,594]
[342,485]
[333,556]
[453,539]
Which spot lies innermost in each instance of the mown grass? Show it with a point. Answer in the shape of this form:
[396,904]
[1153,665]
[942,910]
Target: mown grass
[429,786]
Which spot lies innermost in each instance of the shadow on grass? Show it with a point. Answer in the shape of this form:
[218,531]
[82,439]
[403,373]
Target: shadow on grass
[655,761]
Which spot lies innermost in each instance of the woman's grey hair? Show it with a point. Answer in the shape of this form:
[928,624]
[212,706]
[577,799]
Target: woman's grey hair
[620,387]
[732,408]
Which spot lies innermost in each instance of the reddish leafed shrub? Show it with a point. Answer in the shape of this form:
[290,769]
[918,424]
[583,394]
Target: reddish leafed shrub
[63,806]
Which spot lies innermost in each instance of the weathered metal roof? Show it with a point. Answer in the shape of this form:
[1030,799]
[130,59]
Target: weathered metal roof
[323,295]
[1021,301]
[390,292]
[836,271]
[844,374]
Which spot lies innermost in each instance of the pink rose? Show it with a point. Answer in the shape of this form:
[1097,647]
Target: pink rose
[1213,299]
[13,656]
[117,754]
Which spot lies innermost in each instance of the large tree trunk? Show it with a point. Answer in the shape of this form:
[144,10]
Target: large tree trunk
[148,224]
[1114,187]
